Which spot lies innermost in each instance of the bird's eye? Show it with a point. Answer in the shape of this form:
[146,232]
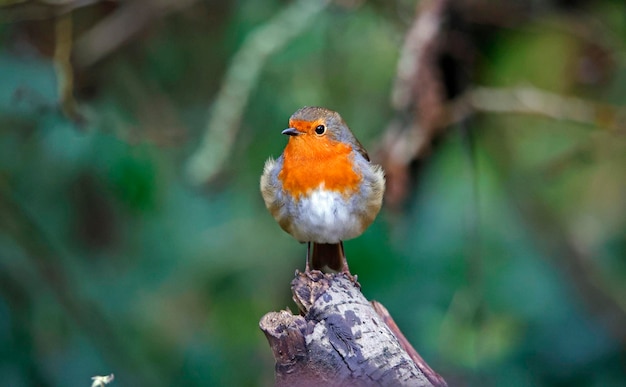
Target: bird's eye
[320,129]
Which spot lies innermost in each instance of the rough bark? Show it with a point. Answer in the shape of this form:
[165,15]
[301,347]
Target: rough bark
[340,339]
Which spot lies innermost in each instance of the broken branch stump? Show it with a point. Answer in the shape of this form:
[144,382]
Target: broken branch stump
[340,339]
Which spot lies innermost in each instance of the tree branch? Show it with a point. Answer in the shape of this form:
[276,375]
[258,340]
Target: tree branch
[340,339]
[534,101]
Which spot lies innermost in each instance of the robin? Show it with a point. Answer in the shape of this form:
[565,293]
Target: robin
[323,188]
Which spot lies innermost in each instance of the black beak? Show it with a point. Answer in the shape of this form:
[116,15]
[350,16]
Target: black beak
[292,132]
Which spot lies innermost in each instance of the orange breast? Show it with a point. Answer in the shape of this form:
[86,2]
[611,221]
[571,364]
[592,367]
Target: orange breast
[311,161]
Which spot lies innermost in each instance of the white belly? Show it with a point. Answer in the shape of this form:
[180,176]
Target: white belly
[325,217]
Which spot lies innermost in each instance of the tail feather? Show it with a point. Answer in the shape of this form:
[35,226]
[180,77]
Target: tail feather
[327,254]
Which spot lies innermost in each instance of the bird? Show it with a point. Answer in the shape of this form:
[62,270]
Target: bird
[323,189]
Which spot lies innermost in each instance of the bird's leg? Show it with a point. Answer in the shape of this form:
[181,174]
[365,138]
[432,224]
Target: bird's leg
[308,254]
[345,269]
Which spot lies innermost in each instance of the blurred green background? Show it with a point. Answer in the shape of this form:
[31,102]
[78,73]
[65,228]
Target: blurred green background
[504,265]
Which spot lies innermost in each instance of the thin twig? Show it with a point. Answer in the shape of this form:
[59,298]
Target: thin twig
[418,97]
[14,11]
[533,101]
[125,23]
[63,68]
[242,75]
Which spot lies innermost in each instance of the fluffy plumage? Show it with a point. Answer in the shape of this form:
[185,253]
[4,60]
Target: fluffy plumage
[323,188]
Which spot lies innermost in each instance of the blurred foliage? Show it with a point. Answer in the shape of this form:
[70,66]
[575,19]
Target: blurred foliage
[112,262]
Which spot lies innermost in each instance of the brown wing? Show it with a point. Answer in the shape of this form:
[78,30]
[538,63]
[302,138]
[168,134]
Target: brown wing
[359,148]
